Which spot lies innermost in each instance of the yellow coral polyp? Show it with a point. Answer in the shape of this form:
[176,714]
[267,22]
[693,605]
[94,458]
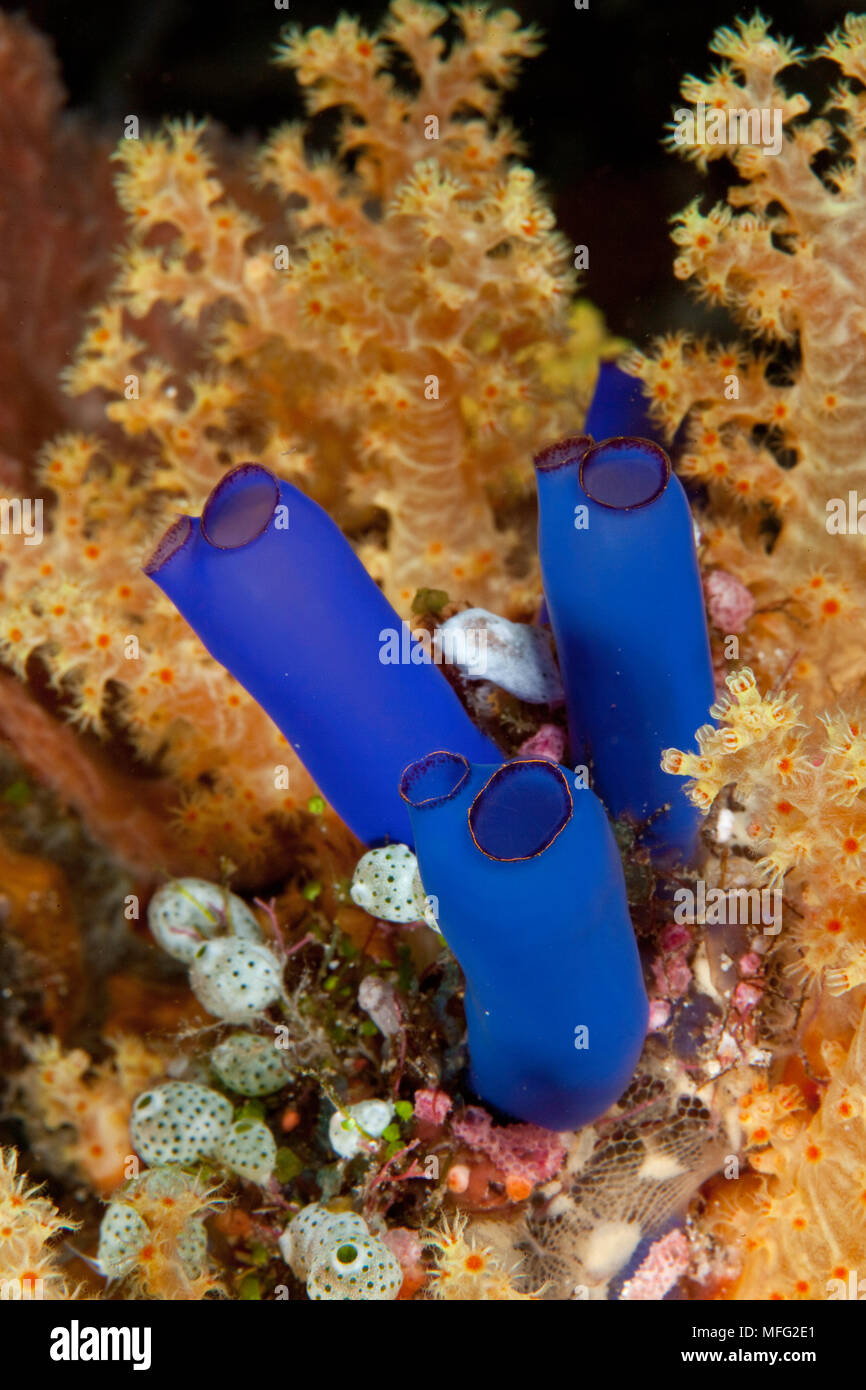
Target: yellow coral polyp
[467,1270]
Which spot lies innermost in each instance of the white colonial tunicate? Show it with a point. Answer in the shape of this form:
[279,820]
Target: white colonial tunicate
[338,1256]
[313,1230]
[185,912]
[517,657]
[349,1128]
[250,1150]
[192,1248]
[386,884]
[235,979]
[295,1240]
[180,1122]
[251,1064]
[122,1234]
[358,1269]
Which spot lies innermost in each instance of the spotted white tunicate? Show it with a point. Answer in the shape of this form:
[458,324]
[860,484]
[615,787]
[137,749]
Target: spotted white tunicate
[185,912]
[179,1122]
[122,1235]
[249,1149]
[251,1064]
[234,979]
[294,1242]
[315,1229]
[430,904]
[349,1128]
[386,884]
[357,1268]
[192,1248]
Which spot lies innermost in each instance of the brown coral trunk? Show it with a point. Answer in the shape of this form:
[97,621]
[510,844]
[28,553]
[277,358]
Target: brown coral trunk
[442,533]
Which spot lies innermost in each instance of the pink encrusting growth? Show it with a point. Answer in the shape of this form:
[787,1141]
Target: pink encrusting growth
[520,1151]
[432,1107]
[547,742]
[729,603]
[671,971]
[666,1262]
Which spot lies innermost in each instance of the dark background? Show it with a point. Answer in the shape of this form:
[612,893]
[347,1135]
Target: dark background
[592,107]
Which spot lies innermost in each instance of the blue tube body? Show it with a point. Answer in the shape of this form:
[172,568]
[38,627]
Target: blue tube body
[619,407]
[623,591]
[547,949]
[278,597]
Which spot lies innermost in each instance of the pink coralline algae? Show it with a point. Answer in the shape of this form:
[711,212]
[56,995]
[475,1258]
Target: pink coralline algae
[671,970]
[667,1261]
[524,1151]
[729,603]
[659,1014]
[547,742]
[405,1245]
[750,963]
[675,936]
[746,996]
[432,1107]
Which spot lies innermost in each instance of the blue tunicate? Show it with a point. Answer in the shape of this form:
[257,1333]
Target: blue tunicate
[278,596]
[530,897]
[619,406]
[623,590]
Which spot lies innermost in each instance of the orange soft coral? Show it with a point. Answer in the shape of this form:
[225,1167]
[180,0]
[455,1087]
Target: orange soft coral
[466,1269]
[785,254]
[394,335]
[78,1113]
[390,327]
[801,821]
[804,818]
[29,1225]
[802,1232]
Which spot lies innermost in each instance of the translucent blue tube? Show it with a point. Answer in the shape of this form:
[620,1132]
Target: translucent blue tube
[619,407]
[278,597]
[530,897]
[623,589]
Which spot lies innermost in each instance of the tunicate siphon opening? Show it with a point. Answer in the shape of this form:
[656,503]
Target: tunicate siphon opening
[520,811]
[174,540]
[563,453]
[625,472]
[433,779]
[240,507]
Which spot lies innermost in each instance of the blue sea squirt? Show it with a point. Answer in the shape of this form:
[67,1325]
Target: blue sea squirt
[530,897]
[623,591]
[278,596]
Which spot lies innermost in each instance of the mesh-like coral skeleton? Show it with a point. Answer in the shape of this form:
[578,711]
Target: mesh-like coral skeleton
[785,255]
[625,1179]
